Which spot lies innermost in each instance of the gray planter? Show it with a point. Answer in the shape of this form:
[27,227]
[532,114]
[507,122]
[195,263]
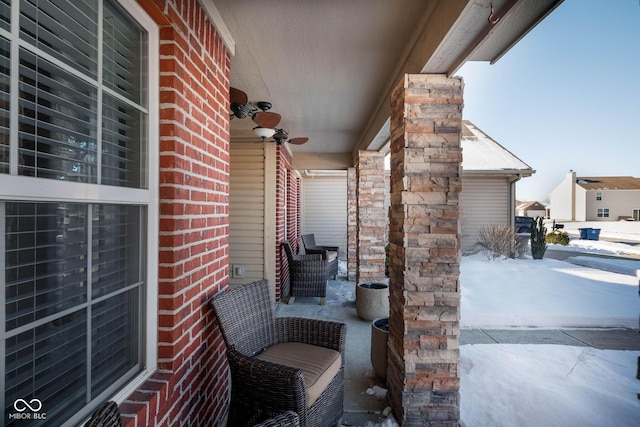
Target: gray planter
[379,342]
[372,300]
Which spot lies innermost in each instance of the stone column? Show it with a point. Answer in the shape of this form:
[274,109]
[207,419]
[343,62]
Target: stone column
[423,358]
[352,226]
[371,217]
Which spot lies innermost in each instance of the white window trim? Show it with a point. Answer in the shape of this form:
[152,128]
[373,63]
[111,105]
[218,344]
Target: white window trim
[153,212]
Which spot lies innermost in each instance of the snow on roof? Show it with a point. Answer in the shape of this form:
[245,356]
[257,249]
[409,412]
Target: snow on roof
[481,153]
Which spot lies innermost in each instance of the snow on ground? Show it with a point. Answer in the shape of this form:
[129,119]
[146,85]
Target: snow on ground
[544,293]
[598,247]
[611,230]
[548,385]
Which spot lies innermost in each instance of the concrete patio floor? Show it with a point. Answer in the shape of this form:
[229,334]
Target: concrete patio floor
[359,407]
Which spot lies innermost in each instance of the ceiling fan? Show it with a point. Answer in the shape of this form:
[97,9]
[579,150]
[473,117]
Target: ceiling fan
[281,136]
[241,108]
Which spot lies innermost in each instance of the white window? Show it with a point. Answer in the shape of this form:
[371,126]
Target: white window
[78,197]
[599,195]
[603,213]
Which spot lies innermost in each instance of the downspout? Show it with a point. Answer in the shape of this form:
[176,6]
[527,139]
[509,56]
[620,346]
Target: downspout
[512,200]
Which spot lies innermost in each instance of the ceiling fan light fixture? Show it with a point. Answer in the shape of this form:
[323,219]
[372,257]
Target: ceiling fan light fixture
[264,132]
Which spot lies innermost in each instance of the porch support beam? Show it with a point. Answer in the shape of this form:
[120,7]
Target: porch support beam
[371,217]
[329,161]
[426,123]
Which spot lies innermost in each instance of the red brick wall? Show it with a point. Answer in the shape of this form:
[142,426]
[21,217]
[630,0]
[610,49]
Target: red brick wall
[284,190]
[293,207]
[191,385]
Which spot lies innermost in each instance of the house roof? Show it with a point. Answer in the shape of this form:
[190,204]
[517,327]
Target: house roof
[482,153]
[609,183]
[533,205]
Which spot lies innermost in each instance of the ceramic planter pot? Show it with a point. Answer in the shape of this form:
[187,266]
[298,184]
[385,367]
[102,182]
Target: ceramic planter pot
[372,300]
[379,340]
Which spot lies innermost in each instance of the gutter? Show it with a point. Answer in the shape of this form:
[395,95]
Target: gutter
[519,173]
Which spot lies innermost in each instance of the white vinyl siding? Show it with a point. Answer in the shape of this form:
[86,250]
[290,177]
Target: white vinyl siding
[247,211]
[483,201]
[324,210]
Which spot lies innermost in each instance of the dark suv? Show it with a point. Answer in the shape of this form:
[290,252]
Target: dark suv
[523,224]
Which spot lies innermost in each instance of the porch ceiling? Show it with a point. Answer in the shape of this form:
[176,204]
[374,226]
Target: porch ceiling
[328,66]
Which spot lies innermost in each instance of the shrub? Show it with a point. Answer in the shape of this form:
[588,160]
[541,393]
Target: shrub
[558,238]
[538,238]
[498,241]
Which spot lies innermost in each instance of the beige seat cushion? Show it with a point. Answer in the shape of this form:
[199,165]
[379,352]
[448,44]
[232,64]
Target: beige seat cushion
[319,365]
[332,255]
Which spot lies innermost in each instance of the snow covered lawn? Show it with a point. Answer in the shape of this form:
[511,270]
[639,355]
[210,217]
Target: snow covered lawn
[547,385]
[544,293]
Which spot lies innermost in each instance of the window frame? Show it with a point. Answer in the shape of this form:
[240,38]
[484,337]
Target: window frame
[33,189]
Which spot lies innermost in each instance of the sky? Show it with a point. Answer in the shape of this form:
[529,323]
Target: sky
[566,97]
[533,385]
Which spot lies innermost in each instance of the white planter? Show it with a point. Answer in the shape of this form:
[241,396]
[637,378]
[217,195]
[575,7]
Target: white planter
[372,300]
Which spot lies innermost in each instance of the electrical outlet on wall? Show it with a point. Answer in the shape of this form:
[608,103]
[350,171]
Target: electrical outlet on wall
[237,271]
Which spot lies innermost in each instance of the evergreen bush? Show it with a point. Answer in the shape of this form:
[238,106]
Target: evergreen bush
[538,238]
[558,238]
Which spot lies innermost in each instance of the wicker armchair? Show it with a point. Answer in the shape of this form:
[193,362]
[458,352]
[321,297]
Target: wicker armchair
[107,415]
[279,363]
[329,253]
[287,419]
[307,275]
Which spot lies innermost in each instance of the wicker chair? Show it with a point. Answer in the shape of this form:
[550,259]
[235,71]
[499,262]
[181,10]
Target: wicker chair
[107,415]
[307,275]
[258,346]
[329,253]
[287,419]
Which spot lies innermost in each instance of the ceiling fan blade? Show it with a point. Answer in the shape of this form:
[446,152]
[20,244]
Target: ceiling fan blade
[266,119]
[236,96]
[298,141]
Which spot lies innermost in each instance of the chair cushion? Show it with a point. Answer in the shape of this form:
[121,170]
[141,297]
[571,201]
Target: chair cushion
[332,255]
[319,365]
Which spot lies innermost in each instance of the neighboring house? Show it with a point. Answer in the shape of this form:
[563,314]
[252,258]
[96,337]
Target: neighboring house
[531,209]
[604,198]
[489,176]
